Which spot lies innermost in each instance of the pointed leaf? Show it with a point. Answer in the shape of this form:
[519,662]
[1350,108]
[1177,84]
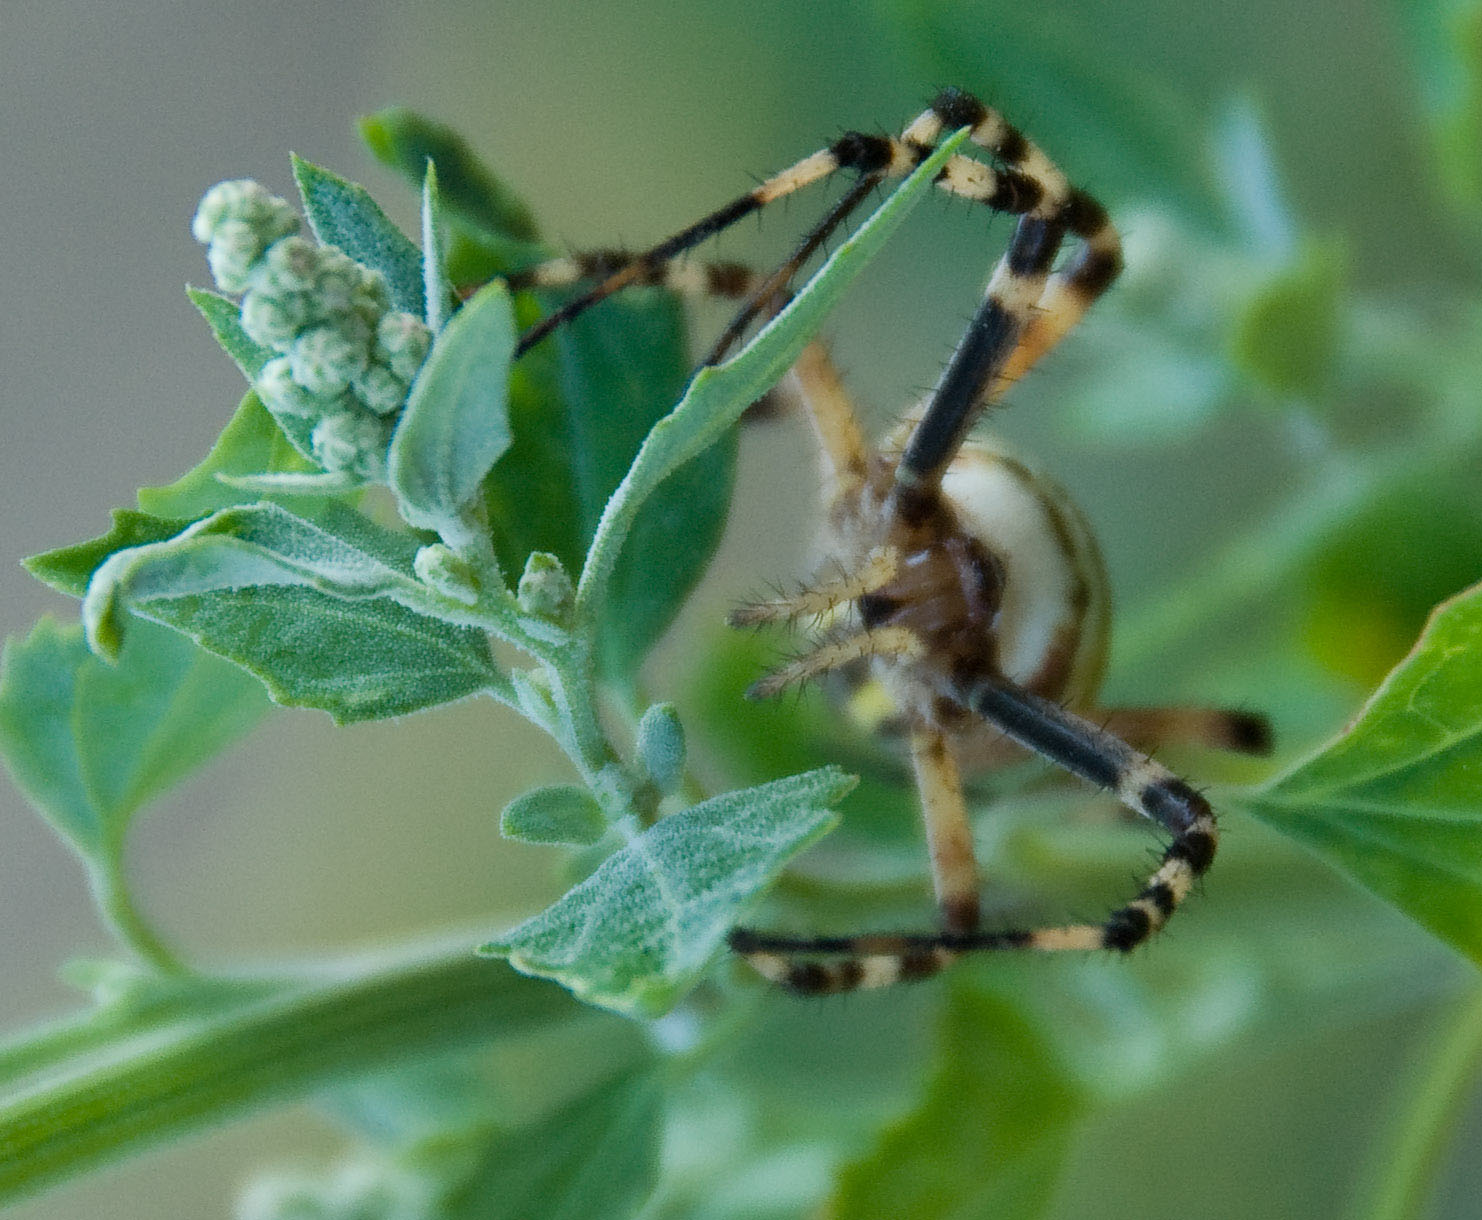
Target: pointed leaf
[456,423]
[224,316]
[989,1138]
[68,569]
[90,743]
[343,214]
[635,935]
[1393,801]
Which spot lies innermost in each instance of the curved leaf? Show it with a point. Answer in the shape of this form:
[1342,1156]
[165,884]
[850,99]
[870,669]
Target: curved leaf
[1395,801]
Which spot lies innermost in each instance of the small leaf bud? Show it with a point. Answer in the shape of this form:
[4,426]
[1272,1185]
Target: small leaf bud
[545,590]
[661,745]
[440,568]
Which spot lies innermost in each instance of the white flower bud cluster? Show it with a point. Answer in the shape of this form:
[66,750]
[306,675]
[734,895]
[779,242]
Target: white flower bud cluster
[345,361]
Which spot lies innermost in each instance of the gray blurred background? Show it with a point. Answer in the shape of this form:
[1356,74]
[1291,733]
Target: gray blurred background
[617,122]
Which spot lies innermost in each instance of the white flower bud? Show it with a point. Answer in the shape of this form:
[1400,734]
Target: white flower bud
[336,281]
[545,589]
[288,265]
[282,395]
[326,358]
[235,247]
[273,321]
[381,390]
[402,342]
[352,440]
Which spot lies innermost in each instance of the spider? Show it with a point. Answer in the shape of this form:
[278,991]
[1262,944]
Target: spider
[970,587]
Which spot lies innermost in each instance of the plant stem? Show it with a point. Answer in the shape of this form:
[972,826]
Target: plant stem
[129,925]
[263,1051]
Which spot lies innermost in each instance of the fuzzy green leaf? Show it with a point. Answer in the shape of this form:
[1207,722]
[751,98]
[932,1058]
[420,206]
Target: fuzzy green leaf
[328,615]
[659,744]
[434,278]
[1393,801]
[407,141]
[561,813]
[224,316]
[988,1139]
[456,422]
[89,743]
[251,444]
[595,1159]
[635,935]
[68,569]
[343,214]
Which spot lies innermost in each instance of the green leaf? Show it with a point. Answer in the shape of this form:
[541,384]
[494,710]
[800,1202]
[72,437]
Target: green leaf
[595,1159]
[990,1136]
[224,316]
[720,393]
[1446,44]
[580,405]
[456,422]
[252,444]
[343,214]
[68,569]
[434,278]
[561,814]
[1393,800]
[406,141]
[1286,336]
[89,743]
[635,935]
[298,604]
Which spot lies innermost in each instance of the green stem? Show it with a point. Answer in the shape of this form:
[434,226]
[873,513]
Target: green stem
[263,1052]
[1406,1164]
[128,924]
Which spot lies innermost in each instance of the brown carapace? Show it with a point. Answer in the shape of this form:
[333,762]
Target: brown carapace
[967,583]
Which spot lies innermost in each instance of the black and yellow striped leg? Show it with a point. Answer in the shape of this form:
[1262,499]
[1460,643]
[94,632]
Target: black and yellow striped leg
[1080,747]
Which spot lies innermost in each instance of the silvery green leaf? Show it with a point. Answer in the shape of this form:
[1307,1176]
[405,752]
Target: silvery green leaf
[343,214]
[558,814]
[637,933]
[456,425]
[434,278]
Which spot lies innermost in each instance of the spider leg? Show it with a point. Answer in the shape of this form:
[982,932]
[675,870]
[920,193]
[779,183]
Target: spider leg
[821,599]
[949,834]
[883,641]
[1148,728]
[1082,748]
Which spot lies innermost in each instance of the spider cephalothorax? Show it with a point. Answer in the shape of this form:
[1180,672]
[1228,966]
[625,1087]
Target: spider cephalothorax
[968,584]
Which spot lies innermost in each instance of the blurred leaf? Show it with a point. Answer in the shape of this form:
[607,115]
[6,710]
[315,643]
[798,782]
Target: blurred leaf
[224,316]
[1446,45]
[1372,585]
[456,422]
[1286,336]
[561,813]
[989,1138]
[300,605]
[90,743]
[251,444]
[406,141]
[1393,800]
[343,214]
[635,935]
[1251,182]
[1078,86]
[595,1159]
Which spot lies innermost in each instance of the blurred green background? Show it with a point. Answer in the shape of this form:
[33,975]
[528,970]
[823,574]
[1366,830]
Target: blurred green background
[620,123]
